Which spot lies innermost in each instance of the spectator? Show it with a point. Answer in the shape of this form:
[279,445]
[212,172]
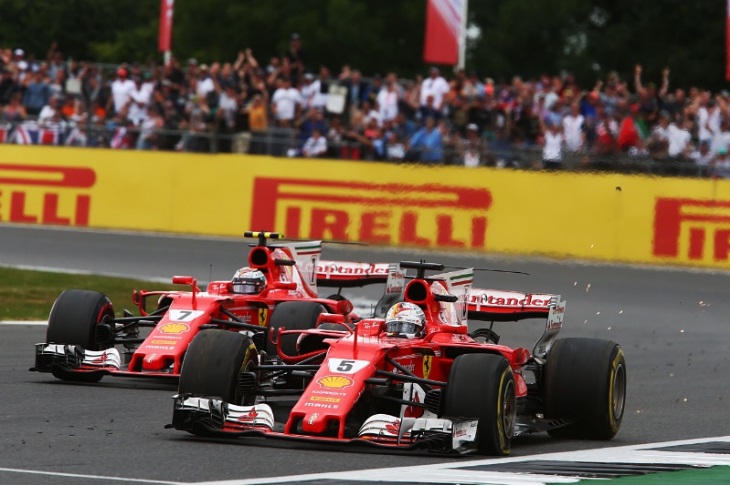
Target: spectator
[309,89]
[387,101]
[8,86]
[286,103]
[356,90]
[149,130]
[471,150]
[372,89]
[140,98]
[121,92]
[370,113]
[206,83]
[426,144]
[574,129]
[702,157]
[720,165]
[37,94]
[321,89]
[49,111]
[552,150]
[721,139]
[708,118]
[435,87]
[313,120]
[315,145]
[295,58]
[15,111]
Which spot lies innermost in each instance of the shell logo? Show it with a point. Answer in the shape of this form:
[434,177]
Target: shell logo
[175,328]
[335,381]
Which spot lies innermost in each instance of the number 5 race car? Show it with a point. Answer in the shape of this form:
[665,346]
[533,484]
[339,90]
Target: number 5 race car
[414,379]
[85,341]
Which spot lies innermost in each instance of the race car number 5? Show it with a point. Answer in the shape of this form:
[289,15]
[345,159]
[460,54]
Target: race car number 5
[346,366]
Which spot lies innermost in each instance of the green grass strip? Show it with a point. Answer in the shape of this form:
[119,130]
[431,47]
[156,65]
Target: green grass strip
[29,295]
[711,475]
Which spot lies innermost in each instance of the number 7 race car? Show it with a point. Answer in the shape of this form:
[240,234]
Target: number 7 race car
[85,341]
[442,388]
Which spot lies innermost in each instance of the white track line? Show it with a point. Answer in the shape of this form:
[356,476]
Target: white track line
[455,472]
[84,476]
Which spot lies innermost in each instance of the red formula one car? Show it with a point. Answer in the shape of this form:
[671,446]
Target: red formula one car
[415,378]
[85,340]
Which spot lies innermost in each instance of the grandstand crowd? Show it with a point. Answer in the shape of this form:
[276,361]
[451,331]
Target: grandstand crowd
[287,105]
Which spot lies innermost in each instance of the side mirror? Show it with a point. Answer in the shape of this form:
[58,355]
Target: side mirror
[182,280]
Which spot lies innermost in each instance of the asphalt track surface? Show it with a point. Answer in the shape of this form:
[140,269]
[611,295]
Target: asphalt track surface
[672,324]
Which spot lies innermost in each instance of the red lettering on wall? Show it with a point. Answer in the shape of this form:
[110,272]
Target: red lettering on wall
[409,229]
[294,197]
[17,209]
[374,227]
[698,217]
[329,224]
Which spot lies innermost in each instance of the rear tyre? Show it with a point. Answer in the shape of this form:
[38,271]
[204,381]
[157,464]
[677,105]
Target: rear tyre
[292,315]
[585,382]
[74,318]
[482,387]
[215,364]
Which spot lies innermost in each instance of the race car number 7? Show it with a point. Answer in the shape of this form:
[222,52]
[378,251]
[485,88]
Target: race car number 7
[181,315]
[346,366]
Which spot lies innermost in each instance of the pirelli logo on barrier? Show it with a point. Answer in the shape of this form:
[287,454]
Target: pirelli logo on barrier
[424,215]
[48,195]
[692,229]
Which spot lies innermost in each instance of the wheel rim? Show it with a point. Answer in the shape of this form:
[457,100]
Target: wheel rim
[619,392]
[510,410]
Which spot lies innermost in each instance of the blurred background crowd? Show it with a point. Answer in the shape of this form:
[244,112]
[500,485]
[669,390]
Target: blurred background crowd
[289,105]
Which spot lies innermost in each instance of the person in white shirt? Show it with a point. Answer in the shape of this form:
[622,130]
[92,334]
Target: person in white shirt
[573,129]
[121,88]
[309,90]
[286,102]
[388,103]
[708,119]
[679,138]
[435,86]
[49,111]
[316,145]
[552,150]
[206,84]
[140,97]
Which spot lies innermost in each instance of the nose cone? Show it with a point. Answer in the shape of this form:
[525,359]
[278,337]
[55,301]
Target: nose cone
[155,362]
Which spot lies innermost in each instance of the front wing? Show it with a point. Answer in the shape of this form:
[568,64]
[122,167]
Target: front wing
[213,417]
[68,361]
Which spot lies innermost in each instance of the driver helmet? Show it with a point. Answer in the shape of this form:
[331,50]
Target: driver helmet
[248,281]
[405,319]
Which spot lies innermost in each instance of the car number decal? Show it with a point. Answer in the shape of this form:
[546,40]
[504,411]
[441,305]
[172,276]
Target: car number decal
[182,315]
[346,366]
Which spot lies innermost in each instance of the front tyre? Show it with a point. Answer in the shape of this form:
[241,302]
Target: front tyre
[74,318]
[218,364]
[585,382]
[292,315]
[482,387]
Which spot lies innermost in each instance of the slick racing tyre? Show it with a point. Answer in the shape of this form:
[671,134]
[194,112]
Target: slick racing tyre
[482,387]
[585,382]
[293,315]
[218,364]
[74,318]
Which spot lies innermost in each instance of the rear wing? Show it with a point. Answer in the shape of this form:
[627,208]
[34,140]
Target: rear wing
[331,273]
[500,305]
